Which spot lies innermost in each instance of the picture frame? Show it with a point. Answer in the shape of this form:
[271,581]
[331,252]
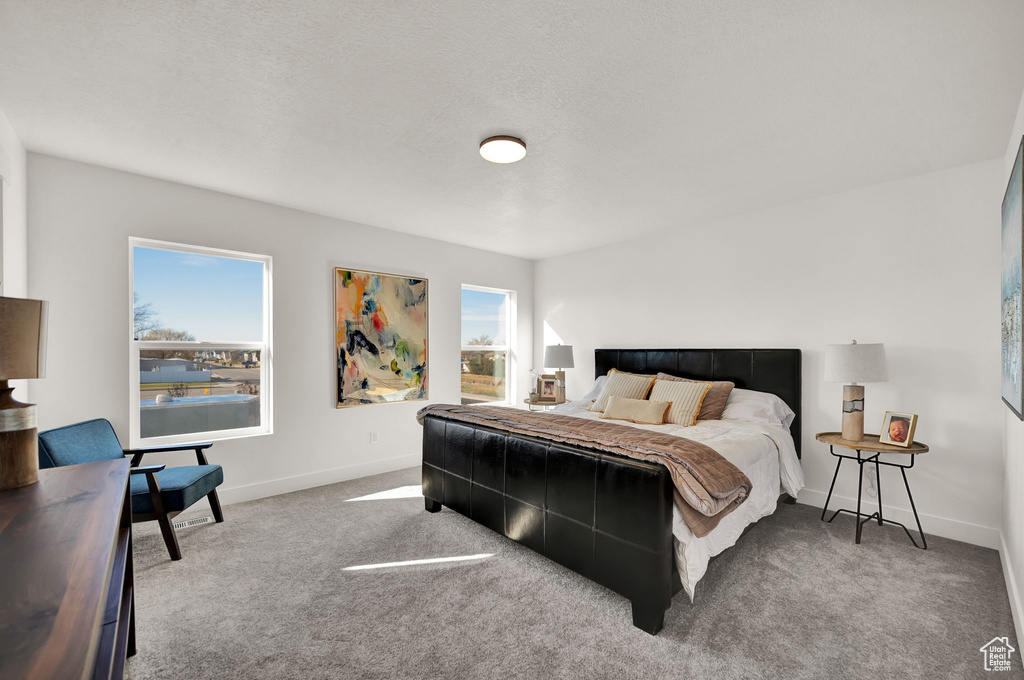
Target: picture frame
[547,388]
[381,331]
[898,429]
[1012,302]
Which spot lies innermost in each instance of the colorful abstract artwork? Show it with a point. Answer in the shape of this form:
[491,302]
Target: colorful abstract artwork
[1013,246]
[380,337]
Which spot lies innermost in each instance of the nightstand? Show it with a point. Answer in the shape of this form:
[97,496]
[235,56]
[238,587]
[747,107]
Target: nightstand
[544,405]
[870,444]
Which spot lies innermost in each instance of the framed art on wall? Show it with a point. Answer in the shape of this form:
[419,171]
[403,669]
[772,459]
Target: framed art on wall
[1013,246]
[380,337]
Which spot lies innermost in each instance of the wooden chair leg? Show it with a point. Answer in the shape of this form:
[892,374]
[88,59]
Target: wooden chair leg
[212,496]
[218,515]
[170,538]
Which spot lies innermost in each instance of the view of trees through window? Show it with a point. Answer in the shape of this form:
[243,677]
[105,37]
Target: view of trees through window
[198,336]
[485,346]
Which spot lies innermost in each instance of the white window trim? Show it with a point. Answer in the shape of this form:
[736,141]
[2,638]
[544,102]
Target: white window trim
[265,348]
[512,358]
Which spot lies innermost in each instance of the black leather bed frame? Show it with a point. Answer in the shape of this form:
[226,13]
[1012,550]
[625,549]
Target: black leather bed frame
[604,516]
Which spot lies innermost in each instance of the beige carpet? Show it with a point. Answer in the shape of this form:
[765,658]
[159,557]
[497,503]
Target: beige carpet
[265,595]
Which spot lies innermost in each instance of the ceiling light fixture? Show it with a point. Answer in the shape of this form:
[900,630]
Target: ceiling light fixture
[503,149]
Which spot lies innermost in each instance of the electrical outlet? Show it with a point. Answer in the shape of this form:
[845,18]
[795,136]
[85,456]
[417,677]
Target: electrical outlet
[374,437]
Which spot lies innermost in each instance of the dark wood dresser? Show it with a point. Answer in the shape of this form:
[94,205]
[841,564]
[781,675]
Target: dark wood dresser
[66,600]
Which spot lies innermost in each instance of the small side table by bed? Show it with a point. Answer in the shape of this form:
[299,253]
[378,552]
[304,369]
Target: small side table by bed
[870,444]
[544,405]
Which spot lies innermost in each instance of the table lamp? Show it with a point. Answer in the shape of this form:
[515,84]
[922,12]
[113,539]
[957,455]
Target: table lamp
[852,364]
[22,355]
[559,357]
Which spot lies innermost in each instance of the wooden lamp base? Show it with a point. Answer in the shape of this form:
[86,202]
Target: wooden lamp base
[853,412]
[559,386]
[19,444]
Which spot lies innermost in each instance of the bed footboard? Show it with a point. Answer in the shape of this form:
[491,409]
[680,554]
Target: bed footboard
[606,517]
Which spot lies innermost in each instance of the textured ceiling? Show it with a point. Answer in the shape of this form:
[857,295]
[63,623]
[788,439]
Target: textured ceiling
[637,115]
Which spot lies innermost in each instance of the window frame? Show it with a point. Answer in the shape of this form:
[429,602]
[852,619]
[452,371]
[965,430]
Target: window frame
[511,357]
[265,348]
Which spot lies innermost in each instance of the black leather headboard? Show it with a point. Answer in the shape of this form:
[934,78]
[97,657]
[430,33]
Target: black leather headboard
[767,370]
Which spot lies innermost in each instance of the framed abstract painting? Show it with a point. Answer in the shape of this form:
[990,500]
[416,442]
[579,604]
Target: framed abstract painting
[380,337]
[1013,247]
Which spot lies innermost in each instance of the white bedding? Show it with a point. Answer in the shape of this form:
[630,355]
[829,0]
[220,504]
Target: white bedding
[765,453]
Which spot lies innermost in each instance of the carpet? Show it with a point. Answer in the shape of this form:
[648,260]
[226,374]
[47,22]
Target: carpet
[266,595]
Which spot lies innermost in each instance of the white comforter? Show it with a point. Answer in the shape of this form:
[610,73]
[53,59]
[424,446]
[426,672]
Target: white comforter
[765,453]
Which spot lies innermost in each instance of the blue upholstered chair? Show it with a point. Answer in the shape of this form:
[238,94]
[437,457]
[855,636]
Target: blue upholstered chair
[158,492]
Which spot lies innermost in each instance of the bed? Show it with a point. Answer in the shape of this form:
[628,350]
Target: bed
[608,517]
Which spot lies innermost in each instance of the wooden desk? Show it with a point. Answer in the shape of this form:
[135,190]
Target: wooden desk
[66,577]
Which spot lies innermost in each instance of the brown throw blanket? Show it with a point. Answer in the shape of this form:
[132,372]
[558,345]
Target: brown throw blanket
[708,487]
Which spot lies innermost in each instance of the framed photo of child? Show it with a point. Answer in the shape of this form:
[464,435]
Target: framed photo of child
[898,429]
[546,388]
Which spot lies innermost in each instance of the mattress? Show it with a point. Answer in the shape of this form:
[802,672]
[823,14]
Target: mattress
[765,453]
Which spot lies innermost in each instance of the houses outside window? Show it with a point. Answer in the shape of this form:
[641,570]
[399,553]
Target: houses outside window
[488,345]
[201,355]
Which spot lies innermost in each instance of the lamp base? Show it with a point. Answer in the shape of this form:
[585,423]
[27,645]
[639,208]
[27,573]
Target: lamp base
[853,413]
[19,443]
[559,386]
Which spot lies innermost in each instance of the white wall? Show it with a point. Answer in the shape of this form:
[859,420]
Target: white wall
[13,225]
[1012,550]
[912,263]
[80,219]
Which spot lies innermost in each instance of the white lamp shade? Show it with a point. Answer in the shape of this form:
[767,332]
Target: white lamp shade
[856,363]
[558,356]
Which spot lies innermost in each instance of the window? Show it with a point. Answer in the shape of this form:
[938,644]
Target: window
[488,345]
[201,357]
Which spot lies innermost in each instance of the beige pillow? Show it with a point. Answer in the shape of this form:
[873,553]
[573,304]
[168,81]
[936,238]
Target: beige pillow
[636,410]
[619,384]
[716,399]
[686,397]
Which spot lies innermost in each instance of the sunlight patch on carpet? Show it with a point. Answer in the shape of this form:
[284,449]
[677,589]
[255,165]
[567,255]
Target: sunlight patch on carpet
[413,491]
[411,563]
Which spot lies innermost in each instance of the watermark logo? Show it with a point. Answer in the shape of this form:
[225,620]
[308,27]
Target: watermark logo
[997,654]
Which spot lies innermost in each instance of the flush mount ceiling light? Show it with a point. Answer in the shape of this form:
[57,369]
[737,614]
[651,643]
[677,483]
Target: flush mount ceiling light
[503,149]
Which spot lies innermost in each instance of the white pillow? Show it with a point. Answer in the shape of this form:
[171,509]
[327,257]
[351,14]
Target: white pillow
[595,391]
[758,407]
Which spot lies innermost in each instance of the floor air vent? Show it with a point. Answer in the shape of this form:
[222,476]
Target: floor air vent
[192,522]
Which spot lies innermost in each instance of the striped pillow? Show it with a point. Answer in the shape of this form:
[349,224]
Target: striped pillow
[686,398]
[619,384]
[716,399]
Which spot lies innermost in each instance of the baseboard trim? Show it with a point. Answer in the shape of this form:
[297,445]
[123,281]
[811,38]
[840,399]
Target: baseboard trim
[1011,588]
[276,487]
[975,534]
